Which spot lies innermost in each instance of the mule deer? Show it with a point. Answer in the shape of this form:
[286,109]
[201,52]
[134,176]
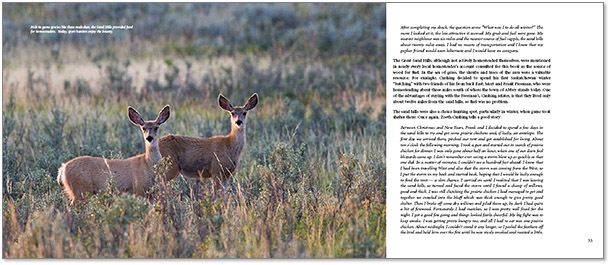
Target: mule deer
[215,157]
[86,174]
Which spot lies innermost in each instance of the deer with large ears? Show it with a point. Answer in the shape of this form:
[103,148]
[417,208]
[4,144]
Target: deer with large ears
[86,174]
[215,157]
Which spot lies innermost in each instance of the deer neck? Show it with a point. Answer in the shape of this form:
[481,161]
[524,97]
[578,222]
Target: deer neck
[237,138]
[152,155]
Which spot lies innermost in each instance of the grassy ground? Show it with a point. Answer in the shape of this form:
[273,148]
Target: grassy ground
[312,177]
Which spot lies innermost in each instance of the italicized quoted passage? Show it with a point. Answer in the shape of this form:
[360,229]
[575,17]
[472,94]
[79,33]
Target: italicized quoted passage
[479,179]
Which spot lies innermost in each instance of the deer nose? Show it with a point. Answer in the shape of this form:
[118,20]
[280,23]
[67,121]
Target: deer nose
[238,122]
[149,138]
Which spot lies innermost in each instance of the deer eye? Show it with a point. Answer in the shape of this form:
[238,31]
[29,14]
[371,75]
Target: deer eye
[245,114]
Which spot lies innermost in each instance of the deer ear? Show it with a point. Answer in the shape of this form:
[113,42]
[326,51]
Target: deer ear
[135,117]
[251,103]
[224,103]
[163,115]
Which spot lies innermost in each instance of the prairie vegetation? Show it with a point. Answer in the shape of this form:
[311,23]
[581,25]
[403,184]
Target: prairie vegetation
[311,182]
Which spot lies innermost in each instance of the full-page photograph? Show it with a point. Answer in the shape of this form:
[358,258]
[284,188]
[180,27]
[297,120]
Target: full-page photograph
[193,130]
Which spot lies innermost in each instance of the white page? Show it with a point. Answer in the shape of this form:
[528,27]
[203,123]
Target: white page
[571,165]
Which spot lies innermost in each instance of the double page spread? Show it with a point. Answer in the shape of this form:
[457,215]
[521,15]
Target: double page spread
[303,130]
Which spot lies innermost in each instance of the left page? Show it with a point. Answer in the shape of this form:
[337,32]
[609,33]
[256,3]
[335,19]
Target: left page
[272,144]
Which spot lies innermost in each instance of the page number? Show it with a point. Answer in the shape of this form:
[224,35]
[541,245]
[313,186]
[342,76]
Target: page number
[590,240]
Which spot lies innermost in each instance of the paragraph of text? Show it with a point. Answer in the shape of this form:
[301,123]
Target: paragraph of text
[80,29]
[472,179]
[470,39]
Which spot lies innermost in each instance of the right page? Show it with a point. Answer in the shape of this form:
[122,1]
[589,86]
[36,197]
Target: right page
[495,130]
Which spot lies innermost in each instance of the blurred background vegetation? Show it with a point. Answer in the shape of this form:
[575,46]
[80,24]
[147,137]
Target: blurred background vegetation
[312,177]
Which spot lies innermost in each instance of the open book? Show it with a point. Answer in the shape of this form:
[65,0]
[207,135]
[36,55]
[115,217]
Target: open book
[302,130]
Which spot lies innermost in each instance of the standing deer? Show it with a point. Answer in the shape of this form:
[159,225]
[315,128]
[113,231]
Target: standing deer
[86,174]
[215,157]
